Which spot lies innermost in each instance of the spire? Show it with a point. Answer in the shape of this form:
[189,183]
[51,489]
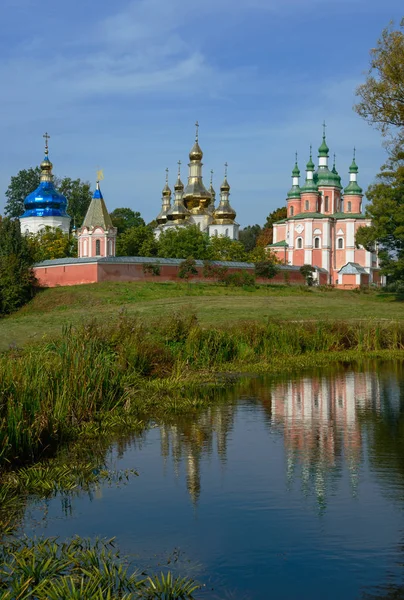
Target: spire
[178,213]
[224,214]
[353,189]
[178,184]
[309,184]
[97,214]
[323,149]
[294,192]
[196,153]
[46,165]
[165,202]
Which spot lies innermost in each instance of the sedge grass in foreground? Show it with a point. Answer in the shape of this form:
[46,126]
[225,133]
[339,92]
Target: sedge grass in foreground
[99,373]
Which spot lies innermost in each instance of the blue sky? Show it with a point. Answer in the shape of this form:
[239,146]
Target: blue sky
[119,85]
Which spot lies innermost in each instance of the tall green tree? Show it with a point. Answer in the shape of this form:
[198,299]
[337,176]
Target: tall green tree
[248,236]
[223,248]
[78,194]
[382,95]
[386,209]
[22,184]
[17,281]
[125,218]
[137,241]
[184,242]
[266,235]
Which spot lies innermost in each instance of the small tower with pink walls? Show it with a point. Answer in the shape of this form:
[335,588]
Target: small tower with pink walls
[294,203]
[97,235]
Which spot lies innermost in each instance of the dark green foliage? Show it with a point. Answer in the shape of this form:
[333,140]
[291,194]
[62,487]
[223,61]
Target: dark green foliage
[187,268]
[125,218]
[78,194]
[184,242]
[224,248]
[239,278]
[266,269]
[47,569]
[150,269]
[307,272]
[17,281]
[137,241]
[386,209]
[248,236]
[22,184]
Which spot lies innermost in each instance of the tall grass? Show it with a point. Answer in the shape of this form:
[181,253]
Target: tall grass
[49,391]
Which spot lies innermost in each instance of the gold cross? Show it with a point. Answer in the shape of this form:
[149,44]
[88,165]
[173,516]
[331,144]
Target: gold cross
[46,136]
[197,131]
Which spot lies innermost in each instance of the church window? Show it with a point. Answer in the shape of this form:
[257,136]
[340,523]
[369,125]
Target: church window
[340,243]
[349,206]
[97,247]
[291,211]
[216,233]
[306,205]
[227,233]
[299,242]
[317,242]
[326,204]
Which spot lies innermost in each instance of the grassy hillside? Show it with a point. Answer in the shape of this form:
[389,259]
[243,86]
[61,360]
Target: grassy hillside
[213,304]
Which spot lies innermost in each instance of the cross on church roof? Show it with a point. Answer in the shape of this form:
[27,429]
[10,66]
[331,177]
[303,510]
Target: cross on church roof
[179,168]
[324,126]
[46,136]
[197,131]
[225,169]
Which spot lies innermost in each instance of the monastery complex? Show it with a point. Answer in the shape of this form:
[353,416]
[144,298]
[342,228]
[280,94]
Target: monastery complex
[319,230]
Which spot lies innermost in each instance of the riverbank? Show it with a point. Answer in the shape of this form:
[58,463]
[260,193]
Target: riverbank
[143,369]
[214,304]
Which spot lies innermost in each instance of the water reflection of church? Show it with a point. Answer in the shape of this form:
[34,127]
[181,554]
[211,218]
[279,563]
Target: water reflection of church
[319,418]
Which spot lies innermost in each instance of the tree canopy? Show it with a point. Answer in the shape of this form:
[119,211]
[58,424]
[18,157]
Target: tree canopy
[386,209]
[224,248]
[22,184]
[184,242]
[266,235]
[50,243]
[382,95]
[137,241]
[78,194]
[248,236]
[17,281]
[125,218]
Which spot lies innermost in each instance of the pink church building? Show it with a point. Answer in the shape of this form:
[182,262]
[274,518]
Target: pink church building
[97,235]
[321,225]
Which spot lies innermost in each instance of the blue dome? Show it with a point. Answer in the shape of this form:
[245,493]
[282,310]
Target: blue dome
[45,201]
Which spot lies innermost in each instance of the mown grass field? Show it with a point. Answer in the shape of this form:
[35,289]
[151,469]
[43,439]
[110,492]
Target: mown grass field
[213,304]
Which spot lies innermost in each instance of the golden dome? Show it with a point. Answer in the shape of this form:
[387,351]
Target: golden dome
[166,189]
[179,186]
[196,152]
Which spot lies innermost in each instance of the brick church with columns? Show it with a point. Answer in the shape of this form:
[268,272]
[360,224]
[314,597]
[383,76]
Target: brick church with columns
[321,224]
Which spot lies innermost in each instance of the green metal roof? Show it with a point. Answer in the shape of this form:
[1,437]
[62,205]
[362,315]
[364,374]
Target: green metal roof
[294,192]
[282,243]
[324,149]
[310,215]
[341,215]
[353,189]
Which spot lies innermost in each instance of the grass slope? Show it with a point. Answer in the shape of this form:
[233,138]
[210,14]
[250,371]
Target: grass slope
[213,304]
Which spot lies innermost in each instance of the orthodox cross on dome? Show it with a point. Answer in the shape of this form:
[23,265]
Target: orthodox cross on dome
[211,176]
[225,169]
[46,137]
[179,168]
[197,131]
[167,175]
[324,126]
[311,150]
[296,157]
[354,153]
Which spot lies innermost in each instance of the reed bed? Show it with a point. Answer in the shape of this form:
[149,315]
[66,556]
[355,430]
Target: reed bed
[51,391]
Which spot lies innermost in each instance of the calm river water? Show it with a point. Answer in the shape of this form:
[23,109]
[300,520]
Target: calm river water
[290,489]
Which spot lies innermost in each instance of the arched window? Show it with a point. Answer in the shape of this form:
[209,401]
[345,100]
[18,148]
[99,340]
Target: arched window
[349,208]
[215,232]
[317,242]
[299,243]
[306,205]
[227,233]
[291,211]
[326,204]
[97,247]
[340,243]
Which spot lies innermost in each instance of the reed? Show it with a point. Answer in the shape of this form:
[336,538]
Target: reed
[134,369]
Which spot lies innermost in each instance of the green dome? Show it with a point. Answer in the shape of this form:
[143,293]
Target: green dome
[354,167]
[309,186]
[296,171]
[324,149]
[310,165]
[323,176]
[294,192]
[353,189]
